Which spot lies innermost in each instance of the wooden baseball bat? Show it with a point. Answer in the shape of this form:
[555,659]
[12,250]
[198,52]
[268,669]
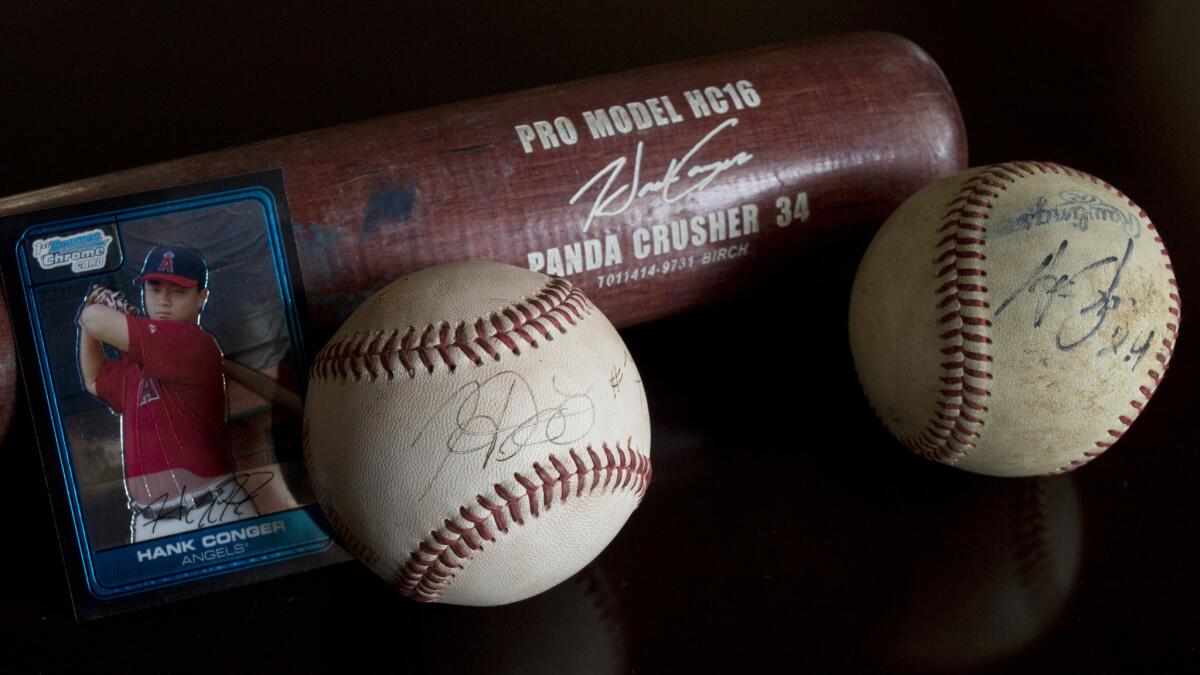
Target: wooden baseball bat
[656,190]
[264,386]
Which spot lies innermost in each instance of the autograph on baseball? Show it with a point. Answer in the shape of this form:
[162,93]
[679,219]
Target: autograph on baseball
[1050,287]
[501,416]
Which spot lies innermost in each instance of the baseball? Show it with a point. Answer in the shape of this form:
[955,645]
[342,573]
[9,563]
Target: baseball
[476,433]
[1014,319]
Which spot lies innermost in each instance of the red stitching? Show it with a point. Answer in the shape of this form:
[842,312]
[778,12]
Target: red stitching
[946,438]
[1173,328]
[1029,506]
[430,566]
[558,306]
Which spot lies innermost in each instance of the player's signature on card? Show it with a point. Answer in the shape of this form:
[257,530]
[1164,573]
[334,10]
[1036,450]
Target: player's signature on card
[499,417]
[1090,301]
[681,178]
[233,496]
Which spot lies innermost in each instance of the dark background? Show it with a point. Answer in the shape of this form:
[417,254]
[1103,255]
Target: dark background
[783,529]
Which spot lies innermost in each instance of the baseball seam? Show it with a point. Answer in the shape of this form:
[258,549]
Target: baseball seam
[954,428]
[1029,534]
[1167,343]
[961,298]
[431,566]
[373,354]
[609,612]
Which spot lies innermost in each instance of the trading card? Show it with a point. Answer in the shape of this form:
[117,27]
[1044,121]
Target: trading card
[162,346]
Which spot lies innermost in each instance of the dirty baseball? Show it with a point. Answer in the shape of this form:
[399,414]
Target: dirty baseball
[1014,319]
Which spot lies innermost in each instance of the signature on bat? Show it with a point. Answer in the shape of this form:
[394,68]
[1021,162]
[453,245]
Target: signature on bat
[681,178]
[1093,305]
[500,416]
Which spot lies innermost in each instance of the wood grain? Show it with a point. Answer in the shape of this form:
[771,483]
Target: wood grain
[856,123]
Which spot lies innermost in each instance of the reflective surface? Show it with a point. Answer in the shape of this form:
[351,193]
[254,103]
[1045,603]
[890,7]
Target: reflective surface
[783,528]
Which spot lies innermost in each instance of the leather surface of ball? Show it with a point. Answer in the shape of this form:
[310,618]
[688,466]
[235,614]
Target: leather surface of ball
[476,433]
[1014,319]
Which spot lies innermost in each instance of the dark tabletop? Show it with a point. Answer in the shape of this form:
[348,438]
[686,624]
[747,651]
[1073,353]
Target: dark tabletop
[783,529]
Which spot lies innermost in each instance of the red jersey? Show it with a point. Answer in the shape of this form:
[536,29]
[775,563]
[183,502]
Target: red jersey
[169,389]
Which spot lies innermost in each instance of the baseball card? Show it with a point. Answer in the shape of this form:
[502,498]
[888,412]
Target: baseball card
[164,358]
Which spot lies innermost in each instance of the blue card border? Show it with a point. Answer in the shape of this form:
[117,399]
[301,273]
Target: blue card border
[308,531]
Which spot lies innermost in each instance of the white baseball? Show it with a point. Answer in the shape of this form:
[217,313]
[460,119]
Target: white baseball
[1014,319]
[476,433]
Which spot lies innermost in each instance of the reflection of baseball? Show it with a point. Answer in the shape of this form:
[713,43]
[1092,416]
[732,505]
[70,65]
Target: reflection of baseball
[477,433]
[1013,319]
[578,622]
[991,566]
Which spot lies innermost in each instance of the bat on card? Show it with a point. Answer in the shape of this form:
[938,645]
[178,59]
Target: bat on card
[264,386]
[656,191]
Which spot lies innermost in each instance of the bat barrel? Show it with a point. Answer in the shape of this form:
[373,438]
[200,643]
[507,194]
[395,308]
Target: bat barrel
[656,191]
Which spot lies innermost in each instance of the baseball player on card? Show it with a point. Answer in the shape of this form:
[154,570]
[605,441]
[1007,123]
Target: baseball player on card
[168,387]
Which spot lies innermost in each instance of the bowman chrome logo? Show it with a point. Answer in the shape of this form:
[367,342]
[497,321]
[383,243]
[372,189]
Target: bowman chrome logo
[83,251]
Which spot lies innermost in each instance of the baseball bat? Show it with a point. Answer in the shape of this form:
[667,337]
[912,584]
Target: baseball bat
[264,386]
[656,191]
